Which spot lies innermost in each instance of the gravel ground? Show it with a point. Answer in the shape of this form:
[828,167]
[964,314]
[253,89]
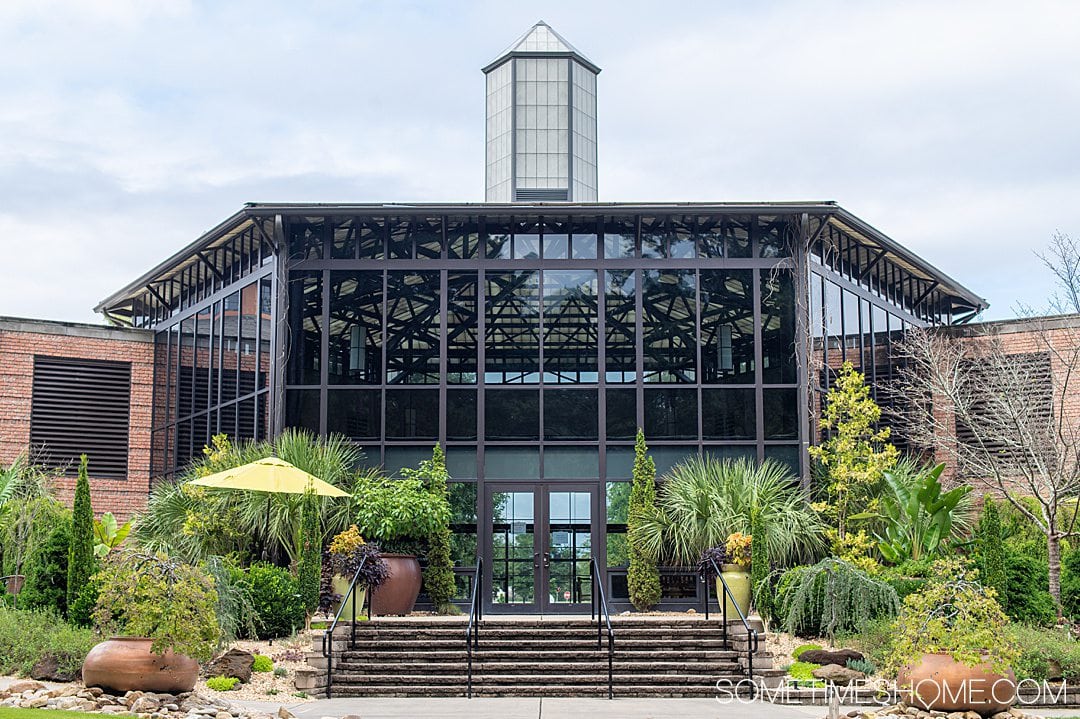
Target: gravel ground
[265,686]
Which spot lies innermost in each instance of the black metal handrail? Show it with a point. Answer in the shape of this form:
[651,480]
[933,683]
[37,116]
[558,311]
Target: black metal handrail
[476,614]
[328,652]
[599,603]
[751,633]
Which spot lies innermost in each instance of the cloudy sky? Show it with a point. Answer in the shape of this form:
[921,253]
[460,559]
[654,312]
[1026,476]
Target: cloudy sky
[127,127]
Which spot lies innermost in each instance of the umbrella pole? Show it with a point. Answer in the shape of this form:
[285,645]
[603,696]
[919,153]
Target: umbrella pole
[266,529]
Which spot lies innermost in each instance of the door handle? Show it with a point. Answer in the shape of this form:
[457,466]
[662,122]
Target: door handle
[547,560]
[536,560]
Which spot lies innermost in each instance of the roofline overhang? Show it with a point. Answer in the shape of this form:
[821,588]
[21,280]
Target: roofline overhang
[538,54]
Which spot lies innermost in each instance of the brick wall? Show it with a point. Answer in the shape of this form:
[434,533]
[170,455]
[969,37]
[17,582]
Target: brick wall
[20,340]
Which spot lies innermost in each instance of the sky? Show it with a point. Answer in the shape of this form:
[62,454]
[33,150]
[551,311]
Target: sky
[129,127]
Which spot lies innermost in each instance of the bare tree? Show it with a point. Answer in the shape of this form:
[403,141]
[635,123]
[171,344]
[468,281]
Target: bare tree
[1004,409]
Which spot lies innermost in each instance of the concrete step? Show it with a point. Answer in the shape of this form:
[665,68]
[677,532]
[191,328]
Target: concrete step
[381,654]
[488,668]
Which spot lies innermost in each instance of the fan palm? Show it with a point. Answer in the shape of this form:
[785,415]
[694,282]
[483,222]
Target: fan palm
[703,500]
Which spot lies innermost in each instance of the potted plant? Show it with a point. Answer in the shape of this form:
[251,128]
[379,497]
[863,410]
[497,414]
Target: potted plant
[951,649]
[735,569]
[162,618]
[348,552]
[399,514]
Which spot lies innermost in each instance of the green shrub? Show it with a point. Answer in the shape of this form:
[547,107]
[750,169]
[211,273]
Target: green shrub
[803,671]
[832,596]
[990,552]
[804,648]
[1027,598]
[873,639]
[642,576]
[1039,647]
[439,580]
[262,663]
[275,596]
[865,666]
[27,636]
[908,577]
[81,562]
[222,684]
[281,672]
[1070,583]
[309,567]
[46,565]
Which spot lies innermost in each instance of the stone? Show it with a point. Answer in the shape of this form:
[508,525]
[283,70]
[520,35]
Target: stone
[284,713]
[113,709]
[972,715]
[48,669]
[233,663]
[351,716]
[144,705]
[1002,715]
[223,715]
[825,656]
[24,685]
[837,674]
[35,702]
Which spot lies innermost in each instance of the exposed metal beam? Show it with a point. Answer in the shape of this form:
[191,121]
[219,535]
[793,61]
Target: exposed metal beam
[918,300]
[157,296]
[209,264]
[873,263]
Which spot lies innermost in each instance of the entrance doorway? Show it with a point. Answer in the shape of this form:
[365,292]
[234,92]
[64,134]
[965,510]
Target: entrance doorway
[540,541]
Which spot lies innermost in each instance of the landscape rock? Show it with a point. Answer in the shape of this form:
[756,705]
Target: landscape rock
[284,713]
[24,685]
[48,669]
[837,674]
[825,656]
[144,705]
[233,663]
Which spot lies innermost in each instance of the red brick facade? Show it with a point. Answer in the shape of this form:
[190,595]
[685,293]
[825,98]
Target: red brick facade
[21,340]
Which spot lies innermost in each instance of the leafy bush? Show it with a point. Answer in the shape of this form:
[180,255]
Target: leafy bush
[907,577]
[954,615]
[275,596]
[804,648]
[865,666]
[222,684]
[873,639]
[990,552]
[439,581]
[281,672]
[832,596]
[28,636]
[262,663]
[1041,648]
[47,561]
[803,671]
[1070,583]
[1027,598]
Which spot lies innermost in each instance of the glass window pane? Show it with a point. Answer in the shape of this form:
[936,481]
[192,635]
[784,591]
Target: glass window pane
[461,328]
[785,454]
[570,340]
[306,238]
[680,238]
[667,457]
[372,233]
[621,413]
[527,239]
[710,236]
[669,299]
[463,237]
[778,327]
[653,237]
[301,410]
[620,288]
[781,410]
[497,233]
[733,451]
[249,325]
[737,236]
[513,327]
[306,321]
[618,501]
[412,414]
[512,414]
[670,414]
[556,239]
[461,462]
[266,328]
[460,414]
[398,458]
[620,463]
[727,326]
[729,414]
[773,236]
[583,244]
[344,241]
[619,237]
[570,414]
[354,413]
[511,463]
[355,327]
[412,327]
[571,462]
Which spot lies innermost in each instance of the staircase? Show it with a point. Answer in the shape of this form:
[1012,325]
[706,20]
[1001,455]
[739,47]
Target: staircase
[528,656]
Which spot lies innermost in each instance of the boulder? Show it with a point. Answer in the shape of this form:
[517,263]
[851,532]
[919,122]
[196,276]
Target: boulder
[824,656]
[48,669]
[24,685]
[284,713]
[145,705]
[837,674]
[233,663]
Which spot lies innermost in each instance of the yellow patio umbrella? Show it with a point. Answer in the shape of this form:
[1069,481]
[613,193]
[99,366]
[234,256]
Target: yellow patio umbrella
[270,475]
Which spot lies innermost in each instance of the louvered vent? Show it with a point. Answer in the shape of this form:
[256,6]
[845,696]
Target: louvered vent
[81,406]
[536,195]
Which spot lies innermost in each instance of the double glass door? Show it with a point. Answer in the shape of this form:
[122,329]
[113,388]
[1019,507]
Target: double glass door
[540,542]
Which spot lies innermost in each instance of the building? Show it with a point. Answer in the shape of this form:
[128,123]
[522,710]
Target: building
[531,337]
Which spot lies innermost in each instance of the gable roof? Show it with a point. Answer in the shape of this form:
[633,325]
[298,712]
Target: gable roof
[541,39]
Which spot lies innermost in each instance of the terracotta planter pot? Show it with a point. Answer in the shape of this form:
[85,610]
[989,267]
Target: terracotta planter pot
[939,682]
[738,581]
[341,585]
[124,664]
[398,593]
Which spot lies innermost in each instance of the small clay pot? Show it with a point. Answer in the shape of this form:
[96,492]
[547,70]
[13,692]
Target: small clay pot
[937,682]
[397,595]
[123,664]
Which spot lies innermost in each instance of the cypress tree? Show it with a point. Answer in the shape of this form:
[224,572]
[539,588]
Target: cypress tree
[643,576]
[309,566]
[759,566]
[81,545]
[991,547]
[439,574]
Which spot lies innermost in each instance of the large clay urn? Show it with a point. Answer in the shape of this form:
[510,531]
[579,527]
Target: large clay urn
[397,595]
[124,664]
[738,581]
[937,682]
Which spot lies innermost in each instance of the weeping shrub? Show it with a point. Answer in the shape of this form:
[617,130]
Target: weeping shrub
[832,596]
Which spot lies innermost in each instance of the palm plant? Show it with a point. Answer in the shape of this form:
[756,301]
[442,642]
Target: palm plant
[195,523]
[703,500]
